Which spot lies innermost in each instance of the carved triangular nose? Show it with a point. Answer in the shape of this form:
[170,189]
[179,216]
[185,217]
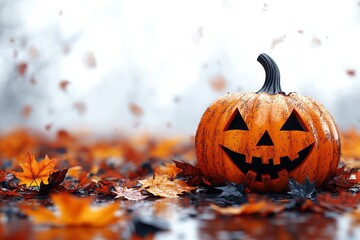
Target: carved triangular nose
[265,140]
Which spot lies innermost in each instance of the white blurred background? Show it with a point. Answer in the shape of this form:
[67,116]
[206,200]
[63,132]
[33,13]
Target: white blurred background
[155,66]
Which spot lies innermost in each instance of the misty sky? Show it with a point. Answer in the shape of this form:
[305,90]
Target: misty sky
[156,65]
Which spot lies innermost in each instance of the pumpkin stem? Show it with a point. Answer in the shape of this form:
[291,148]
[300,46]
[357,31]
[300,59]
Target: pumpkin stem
[272,75]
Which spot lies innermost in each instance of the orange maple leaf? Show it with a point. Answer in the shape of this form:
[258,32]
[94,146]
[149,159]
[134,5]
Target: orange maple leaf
[35,172]
[168,169]
[74,211]
[262,208]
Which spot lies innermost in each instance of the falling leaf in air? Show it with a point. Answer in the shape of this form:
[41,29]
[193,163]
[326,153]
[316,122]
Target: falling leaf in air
[162,186]
[63,85]
[129,193]
[74,211]
[21,68]
[33,52]
[80,107]
[218,83]
[135,110]
[305,190]
[277,41]
[35,172]
[26,111]
[351,72]
[90,60]
[316,42]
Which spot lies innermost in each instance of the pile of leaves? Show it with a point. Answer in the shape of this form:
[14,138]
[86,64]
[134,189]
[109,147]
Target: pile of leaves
[84,179]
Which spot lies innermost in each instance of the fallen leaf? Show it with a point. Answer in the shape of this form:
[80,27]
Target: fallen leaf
[309,205]
[35,172]
[190,174]
[168,169]
[129,193]
[344,201]
[231,190]
[55,179]
[305,190]
[161,185]
[75,212]
[2,175]
[262,208]
[9,193]
[342,179]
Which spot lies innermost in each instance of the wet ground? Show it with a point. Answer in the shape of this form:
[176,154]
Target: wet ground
[184,218]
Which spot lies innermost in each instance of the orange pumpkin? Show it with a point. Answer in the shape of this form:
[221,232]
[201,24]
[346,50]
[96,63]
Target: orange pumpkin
[262,139]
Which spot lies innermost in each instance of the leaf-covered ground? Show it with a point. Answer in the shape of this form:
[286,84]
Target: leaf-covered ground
[82,186]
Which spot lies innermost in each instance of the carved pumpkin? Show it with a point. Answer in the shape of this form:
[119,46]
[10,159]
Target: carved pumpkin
[262,139]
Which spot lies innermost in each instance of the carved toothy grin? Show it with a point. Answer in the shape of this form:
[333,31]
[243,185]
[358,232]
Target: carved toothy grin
[270,169]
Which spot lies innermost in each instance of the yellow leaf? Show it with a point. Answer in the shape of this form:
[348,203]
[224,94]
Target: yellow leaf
[35,172]
[74,211]
[161,185]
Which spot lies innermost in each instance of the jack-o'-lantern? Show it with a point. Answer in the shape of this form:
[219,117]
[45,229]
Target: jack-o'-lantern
[262,139]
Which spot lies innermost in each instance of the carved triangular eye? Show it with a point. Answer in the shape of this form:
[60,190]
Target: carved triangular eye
[236,122]
[294,123]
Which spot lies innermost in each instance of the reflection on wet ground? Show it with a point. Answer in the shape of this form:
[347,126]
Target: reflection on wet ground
[186,220]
